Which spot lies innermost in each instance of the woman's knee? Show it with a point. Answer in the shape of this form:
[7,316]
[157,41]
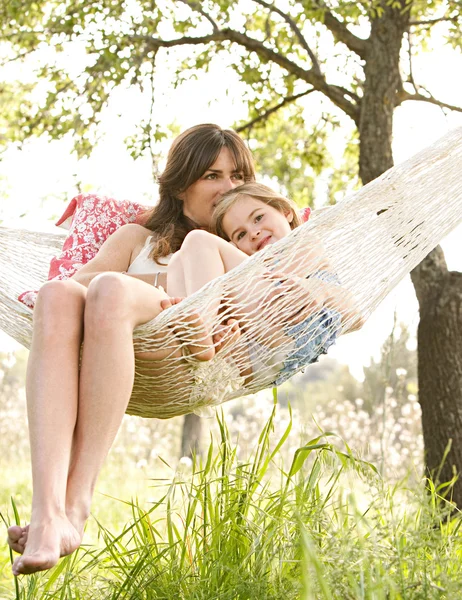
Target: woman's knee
[108,299]
[55,295]
[60,306]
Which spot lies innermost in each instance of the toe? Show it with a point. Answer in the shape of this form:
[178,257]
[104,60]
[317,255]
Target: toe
[17,538]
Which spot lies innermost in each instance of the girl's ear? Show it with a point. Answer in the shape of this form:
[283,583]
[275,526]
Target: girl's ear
[289,215]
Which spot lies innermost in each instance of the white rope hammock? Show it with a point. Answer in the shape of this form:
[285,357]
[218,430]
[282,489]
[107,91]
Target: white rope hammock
[371,240]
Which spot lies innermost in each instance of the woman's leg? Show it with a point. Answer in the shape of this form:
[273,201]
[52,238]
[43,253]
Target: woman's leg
[64,479]
[52,393]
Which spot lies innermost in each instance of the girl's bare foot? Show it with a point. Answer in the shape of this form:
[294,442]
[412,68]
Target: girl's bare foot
[226,334]
[193,332]
[46,543]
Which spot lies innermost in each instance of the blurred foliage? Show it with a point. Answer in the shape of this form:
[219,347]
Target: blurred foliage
[395,372]
[13,435]
[77,53]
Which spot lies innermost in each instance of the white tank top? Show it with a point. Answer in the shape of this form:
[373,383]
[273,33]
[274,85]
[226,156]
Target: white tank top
[143,265]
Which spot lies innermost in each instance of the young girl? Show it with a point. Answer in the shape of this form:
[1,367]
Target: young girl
[308,318]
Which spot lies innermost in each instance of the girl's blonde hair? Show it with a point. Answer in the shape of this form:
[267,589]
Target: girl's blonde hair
[259,192]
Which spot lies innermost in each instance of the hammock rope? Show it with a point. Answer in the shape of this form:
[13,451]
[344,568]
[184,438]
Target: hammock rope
[371,241]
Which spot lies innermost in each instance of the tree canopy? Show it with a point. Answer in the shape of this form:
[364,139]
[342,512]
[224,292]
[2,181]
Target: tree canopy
[283,53]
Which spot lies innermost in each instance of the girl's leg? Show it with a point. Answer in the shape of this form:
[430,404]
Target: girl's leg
[64,480]
[202,258]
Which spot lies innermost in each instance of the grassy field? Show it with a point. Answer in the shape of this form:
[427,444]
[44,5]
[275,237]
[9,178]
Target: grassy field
[323,526]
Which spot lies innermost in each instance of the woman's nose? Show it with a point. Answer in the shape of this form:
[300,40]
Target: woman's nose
[229,184]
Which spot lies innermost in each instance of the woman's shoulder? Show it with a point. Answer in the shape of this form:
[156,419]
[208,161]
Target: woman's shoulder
[132,232]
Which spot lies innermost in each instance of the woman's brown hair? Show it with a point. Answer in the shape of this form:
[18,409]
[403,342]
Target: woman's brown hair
[259,192]
[190,155]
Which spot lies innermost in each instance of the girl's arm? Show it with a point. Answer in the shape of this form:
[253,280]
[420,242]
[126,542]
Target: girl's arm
[116,254]
[310,266]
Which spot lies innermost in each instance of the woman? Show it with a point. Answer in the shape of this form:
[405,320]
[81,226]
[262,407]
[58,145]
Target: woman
[74,413]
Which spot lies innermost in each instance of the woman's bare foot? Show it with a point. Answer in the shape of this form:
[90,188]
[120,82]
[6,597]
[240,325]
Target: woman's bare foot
[193,332]
[17,538]
[46,542]
[17,535]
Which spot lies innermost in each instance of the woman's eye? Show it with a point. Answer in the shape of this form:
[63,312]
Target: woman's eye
[239,176]
[211,176]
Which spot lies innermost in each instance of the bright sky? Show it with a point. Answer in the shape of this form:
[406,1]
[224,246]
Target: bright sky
[36,181]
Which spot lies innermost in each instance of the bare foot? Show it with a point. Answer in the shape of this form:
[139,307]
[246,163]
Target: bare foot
[226,334]
[46,543]
[193,332]
[17,538]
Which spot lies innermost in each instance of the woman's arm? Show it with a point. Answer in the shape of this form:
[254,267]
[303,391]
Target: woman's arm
[116,254]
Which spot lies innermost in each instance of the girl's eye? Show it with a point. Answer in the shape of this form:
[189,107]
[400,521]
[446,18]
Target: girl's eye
[258,218]
[240,235]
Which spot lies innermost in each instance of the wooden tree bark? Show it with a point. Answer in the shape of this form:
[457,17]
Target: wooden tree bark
[191,435]
[381,82]
[439,352]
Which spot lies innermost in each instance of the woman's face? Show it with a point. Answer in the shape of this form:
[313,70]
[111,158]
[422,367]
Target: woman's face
[251,224]
[200,198]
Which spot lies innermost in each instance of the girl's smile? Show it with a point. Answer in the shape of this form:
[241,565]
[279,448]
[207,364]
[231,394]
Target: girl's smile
[251,224]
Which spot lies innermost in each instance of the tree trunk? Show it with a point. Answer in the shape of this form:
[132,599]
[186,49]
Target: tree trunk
[381,82]
[191,436]
[439,352]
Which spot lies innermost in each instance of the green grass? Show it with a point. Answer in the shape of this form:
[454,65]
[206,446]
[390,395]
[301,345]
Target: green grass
[323,527]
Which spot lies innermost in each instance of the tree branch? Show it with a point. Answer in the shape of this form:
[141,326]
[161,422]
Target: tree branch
[411,73]
[197,7]
[403,96]
[431,22]
[296,30]
[342,33]
[338,95]
[272,110]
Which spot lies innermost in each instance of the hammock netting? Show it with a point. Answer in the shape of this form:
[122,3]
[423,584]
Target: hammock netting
[343,261]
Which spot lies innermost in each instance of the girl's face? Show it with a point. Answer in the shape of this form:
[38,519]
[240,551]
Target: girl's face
[200,198]
[251,224]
